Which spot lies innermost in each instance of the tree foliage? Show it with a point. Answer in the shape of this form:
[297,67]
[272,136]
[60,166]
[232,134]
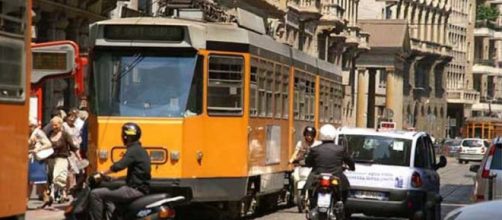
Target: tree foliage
[485,12]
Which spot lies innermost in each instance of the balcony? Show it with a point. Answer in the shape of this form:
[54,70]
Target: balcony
[428,47]
[307,9]
[364,41]
[332,13]
[462,96]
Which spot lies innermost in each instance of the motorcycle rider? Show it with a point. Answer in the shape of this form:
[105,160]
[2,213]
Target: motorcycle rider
[137,162]
[329,158]
[303,146]
[298,158]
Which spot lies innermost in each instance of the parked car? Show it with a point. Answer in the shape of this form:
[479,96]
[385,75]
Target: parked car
[490,167]
[451,146]
[483,210]
[472,149]
[395,174]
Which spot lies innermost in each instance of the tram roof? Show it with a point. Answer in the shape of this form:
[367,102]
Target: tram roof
[224,33]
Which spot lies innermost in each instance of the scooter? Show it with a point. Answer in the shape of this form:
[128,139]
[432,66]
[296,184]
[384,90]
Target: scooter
[301,194]
[154,206]
[327,195]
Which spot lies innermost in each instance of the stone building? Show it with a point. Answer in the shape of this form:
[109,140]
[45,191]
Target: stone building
[487,70]
[66,20]
[459,88]
[402,77]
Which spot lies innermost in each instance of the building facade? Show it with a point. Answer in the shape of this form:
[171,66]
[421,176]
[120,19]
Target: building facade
[487,70]
[459,78]
[402,78]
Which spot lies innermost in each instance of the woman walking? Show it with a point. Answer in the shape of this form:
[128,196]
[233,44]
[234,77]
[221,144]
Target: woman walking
[63,144]
[38,142]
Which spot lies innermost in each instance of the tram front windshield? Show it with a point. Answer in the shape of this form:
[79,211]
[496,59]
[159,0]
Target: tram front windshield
[146,83]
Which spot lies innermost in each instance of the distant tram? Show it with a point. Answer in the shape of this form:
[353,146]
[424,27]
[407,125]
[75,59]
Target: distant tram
[482,127]
[221,107]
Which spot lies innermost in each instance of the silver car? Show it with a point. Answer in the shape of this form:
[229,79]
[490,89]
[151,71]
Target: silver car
[490,169]
[472,149]
[483,210]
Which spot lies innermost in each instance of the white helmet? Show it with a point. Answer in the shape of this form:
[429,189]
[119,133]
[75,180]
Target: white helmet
[327,133]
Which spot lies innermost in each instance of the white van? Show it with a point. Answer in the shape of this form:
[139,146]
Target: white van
[395,173]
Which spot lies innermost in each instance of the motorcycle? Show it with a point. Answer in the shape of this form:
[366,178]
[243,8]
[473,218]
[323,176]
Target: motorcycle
[327,194]
[153,206]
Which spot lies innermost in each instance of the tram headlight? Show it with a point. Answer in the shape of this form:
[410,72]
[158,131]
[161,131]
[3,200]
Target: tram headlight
[175,155]
[103,154]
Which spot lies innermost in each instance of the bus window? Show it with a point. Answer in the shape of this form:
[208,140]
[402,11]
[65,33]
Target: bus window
[12,76]
[225,85]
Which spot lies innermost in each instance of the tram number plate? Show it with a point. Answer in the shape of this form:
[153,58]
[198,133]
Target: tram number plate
[323,200]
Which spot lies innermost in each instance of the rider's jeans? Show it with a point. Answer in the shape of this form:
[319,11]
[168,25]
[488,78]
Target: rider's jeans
[103,196]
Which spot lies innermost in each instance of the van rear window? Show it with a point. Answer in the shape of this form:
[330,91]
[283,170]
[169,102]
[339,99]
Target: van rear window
[379,150]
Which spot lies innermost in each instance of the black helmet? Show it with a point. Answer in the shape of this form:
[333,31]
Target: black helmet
[309,130]
[131,132]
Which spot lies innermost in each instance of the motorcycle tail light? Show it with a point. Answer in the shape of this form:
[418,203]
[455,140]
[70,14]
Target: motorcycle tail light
[325,182]
[166,213]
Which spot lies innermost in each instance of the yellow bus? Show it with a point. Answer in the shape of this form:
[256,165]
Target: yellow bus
[15,56]
[221,107]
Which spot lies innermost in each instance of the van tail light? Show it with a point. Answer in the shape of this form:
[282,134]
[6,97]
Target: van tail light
[486,167]
[325,181]
[416,180]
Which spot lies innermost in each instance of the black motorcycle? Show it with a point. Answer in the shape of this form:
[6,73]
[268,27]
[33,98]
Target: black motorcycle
[327,199]
[153,206]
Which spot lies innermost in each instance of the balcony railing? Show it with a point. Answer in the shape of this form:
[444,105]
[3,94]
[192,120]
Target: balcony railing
[488,24]
[484,62]
[462,96]
[306,6]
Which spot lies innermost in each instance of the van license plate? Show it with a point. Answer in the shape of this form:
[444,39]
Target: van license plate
[370,195]
[323,200]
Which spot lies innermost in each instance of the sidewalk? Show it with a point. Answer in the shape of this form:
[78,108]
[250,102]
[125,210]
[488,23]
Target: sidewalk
[55,212]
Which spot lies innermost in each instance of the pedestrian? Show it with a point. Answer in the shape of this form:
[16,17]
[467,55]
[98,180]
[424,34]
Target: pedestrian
[55,113]
[37,168]
[63,144]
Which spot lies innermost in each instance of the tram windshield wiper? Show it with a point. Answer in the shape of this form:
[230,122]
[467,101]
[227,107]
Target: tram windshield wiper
[137,58]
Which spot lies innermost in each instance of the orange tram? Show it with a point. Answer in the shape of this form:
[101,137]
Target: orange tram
[15,64]
[482,127]
[221,107]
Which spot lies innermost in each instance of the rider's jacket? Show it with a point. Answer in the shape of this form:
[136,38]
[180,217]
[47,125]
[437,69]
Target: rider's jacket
[329,158]
[137,162]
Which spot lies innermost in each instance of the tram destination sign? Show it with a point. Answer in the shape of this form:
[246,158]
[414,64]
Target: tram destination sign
[145,32]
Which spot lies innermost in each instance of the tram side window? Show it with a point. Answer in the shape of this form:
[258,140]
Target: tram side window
[269,75]
[253,97]
[12,74]
[285,91]
[225,85]
[278,91]
[299,100]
